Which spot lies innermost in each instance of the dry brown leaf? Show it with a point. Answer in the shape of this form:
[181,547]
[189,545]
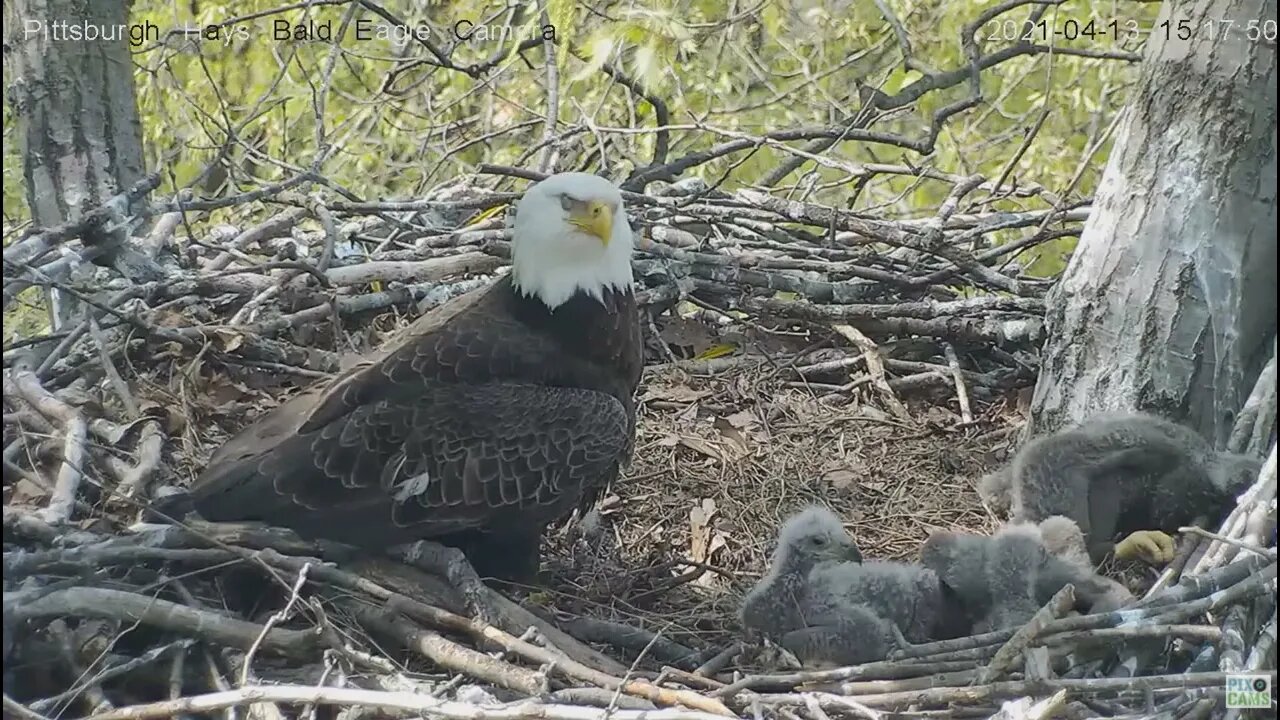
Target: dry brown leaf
[941,417]
[228,340]
[873,484]
[736,444]
[705,538]
[172,420]
[170,318]
[168,351]
[222,393]
[710,579]
[841,478]
[674,393]
[175,421]
[26,492]
[699,445]
[700,529]
[151,409]
[1024,396]
[688,417]
[874,413]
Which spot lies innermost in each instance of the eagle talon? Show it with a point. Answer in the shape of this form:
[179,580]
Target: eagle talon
[1151,546]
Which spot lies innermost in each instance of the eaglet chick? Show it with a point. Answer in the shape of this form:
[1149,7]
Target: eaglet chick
[1004,579]
[1131,474]
[825,606]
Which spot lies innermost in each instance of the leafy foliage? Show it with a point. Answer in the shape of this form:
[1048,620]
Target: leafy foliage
[239,96]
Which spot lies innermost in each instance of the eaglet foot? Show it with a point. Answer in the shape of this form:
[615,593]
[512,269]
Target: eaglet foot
[1151,546]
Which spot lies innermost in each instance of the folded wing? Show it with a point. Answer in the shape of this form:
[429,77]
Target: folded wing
[441,459]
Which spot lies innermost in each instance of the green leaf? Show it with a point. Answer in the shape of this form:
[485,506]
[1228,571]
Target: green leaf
[715,351]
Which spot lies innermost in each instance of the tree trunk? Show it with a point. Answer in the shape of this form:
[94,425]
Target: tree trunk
[1169,303]
[77,115]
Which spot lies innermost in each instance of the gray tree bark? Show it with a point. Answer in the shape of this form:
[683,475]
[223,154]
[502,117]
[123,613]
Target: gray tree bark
[77,115]
[1169,302]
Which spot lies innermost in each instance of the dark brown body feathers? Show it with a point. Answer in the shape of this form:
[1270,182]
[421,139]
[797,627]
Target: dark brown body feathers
[492,415]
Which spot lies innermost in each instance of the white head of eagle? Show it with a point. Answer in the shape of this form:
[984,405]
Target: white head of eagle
[571,234]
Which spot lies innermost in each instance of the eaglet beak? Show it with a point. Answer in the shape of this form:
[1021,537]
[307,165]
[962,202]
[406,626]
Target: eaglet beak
[594,218]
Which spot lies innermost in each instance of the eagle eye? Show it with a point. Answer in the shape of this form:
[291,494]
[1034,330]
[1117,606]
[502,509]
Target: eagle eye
[819,541]
[566,202]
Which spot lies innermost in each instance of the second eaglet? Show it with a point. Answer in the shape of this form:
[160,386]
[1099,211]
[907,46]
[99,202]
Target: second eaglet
[495,415]
[826,606]
[1121,474]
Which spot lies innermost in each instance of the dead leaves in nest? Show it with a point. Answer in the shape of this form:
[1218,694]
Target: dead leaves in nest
[225,393]
[24,493]
[705,538]
[222,403]
[848,475]
[674,394]
[226,339]
[737,432]
[173,421]
[841,478]
[733,437]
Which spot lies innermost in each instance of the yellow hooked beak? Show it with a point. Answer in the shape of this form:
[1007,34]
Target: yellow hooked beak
[594,218]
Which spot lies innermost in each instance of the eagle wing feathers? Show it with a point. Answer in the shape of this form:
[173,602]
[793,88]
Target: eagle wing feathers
[468,425]
[459,456]
[473,348]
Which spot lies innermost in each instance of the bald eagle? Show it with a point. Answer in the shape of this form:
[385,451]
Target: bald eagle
[495,415]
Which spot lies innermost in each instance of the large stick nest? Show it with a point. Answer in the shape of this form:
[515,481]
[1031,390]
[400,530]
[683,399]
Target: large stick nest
[880,375]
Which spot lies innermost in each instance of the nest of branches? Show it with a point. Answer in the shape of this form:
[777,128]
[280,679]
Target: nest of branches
[796,352]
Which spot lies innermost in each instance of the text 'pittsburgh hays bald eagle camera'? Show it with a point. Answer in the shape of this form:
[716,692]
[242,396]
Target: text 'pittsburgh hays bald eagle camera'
[495,414]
